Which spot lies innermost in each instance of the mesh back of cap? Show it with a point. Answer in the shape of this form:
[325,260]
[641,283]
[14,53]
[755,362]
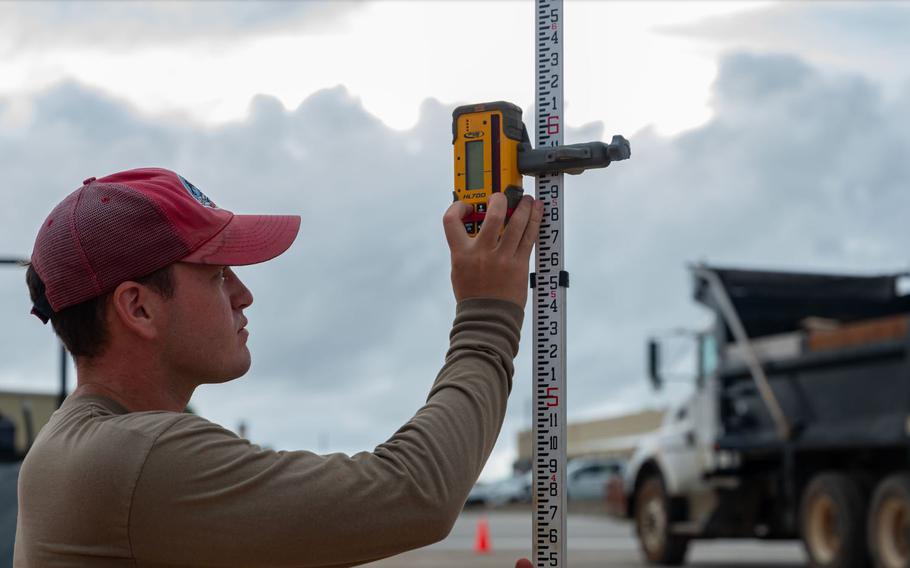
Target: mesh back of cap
[111,233]
[58,260]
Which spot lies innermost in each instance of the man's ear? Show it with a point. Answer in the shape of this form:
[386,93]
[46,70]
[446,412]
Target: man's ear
[137,308]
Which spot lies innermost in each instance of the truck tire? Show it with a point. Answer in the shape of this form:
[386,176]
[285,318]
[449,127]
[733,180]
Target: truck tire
[889,523]
[653,516]
[831,520]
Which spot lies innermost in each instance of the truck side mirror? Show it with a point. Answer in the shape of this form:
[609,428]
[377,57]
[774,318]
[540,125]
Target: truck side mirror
[654,364]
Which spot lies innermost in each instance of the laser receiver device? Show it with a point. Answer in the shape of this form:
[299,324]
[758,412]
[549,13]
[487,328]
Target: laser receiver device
[486,139]
[493,150]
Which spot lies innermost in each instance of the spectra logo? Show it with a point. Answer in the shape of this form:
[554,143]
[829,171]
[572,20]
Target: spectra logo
[197,193]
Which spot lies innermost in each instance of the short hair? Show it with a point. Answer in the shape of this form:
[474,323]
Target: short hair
[82,327]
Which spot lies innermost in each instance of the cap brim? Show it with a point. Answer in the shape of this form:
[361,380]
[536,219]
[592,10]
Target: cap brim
[248,239]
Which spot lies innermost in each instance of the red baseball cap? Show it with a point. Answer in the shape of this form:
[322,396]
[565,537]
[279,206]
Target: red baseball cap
[130,224]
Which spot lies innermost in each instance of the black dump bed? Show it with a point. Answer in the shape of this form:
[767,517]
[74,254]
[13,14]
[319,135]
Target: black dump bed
[848,386]
[776,302]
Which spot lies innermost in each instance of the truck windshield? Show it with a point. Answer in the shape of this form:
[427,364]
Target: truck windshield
[708,355]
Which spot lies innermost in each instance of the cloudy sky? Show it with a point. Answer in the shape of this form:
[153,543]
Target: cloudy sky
[764,134]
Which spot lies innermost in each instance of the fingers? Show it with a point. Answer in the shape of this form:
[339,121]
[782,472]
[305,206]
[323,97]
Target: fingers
[517,239]
[532,229]
[512,235]
[454,226]
[523,563]
[492,223]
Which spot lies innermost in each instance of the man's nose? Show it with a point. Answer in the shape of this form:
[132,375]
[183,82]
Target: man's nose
[240,295]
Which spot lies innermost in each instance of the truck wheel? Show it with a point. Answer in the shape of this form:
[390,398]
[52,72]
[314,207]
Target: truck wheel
[889,523]
[652,523]
[831,519]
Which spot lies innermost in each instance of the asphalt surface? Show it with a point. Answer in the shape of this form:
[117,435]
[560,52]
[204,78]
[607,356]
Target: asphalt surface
[594,541]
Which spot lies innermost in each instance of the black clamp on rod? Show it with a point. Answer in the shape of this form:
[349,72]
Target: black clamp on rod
[571,159]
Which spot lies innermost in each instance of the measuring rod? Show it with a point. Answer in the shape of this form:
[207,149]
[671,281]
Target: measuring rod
[492,150]
[550,283]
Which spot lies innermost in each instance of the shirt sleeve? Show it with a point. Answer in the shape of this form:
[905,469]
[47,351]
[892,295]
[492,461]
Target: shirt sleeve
[206,497]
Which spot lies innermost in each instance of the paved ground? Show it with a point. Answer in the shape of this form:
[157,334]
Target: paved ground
[594,541]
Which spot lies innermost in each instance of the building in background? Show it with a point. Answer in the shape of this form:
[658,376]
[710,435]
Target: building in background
[615,437]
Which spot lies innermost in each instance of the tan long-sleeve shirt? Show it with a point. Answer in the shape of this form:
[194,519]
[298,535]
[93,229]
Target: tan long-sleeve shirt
[106,487]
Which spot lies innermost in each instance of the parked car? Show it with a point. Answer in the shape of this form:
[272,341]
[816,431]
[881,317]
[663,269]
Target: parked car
[587,478]
[516,489]
[479,495]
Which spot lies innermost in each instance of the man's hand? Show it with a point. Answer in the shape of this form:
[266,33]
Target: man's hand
[488,266]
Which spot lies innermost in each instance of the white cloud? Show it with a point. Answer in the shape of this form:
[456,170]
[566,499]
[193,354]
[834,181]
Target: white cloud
[867,38]
[203,62]
[39,25]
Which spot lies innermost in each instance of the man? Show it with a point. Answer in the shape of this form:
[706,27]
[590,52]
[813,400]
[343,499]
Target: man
[134,272]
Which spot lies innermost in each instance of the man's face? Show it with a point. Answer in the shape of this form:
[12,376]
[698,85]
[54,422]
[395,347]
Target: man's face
[205,339]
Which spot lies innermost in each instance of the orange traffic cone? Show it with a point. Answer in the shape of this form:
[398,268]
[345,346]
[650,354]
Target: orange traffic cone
[482,540]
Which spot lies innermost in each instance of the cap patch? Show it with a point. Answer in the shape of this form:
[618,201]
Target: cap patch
[196,193]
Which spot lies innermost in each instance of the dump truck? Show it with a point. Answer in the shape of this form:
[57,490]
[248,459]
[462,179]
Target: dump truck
[798,426]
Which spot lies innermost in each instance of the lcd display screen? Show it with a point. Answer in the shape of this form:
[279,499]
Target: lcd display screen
[474,164]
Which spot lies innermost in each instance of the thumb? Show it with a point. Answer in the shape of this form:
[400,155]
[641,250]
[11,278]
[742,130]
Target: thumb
[523,563]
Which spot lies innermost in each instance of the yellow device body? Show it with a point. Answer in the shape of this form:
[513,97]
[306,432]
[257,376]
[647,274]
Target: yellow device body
[486,138]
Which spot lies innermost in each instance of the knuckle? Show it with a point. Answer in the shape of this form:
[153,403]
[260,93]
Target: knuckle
[455,211]
[450,215]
